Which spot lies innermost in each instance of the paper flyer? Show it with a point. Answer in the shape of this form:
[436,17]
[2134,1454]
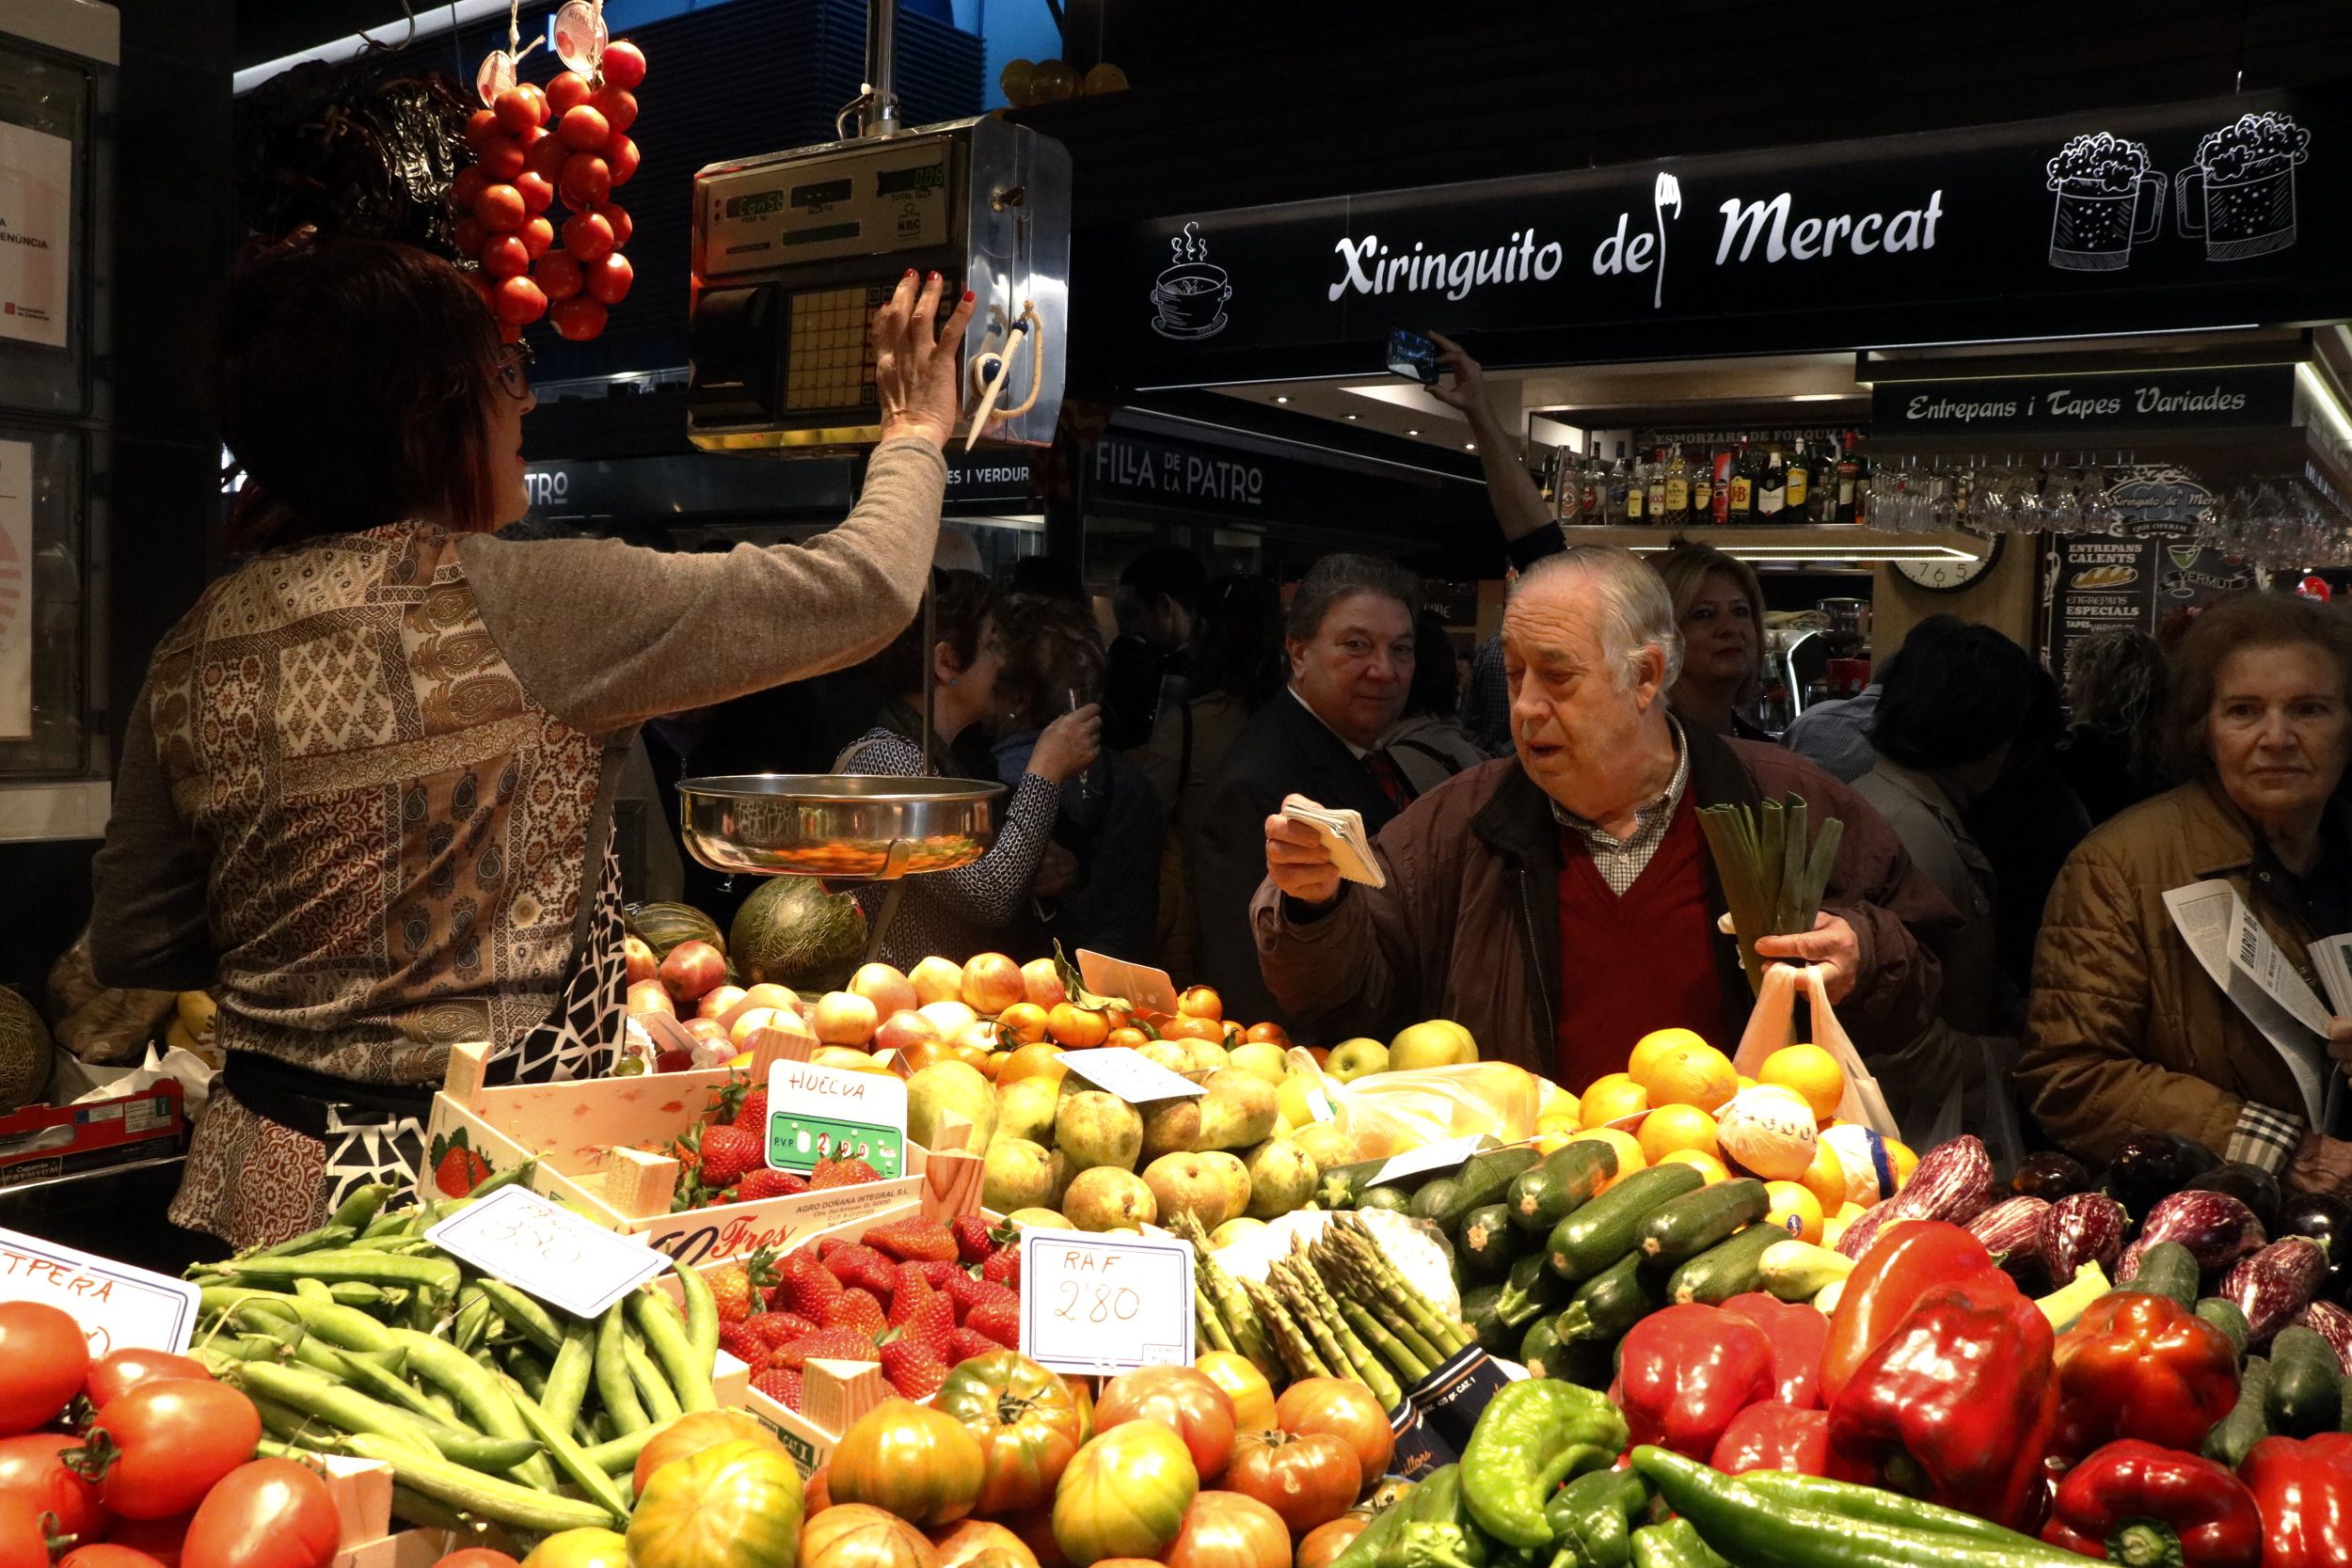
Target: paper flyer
[36,234]
[2242,959]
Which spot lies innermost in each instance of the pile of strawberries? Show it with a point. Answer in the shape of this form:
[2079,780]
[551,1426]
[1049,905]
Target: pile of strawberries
[725,1159]
[916,1295]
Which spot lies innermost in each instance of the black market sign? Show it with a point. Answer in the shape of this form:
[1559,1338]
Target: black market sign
[2257,397]
[1135,472]
[2154,567]
[2219,212]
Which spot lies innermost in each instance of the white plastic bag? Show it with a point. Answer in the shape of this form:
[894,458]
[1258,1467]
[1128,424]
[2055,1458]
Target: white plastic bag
[1768,1031]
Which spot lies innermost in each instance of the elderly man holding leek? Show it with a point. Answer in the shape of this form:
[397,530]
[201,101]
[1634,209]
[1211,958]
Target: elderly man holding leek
[1563,902]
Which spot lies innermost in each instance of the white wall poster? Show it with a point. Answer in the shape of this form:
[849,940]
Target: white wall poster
[36,234]
[16,590]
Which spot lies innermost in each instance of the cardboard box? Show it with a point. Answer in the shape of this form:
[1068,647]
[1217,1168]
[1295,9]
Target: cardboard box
[43,1141]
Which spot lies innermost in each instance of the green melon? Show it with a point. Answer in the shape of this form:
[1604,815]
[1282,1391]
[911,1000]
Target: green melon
[664,926]
[794,933]
[24,1051]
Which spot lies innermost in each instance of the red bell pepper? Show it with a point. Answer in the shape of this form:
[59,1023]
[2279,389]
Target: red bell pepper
[2141,1366]
[1778,1436]
[1799,1336]
[1907,1261]
[1958,1406]
[2145,1505]
[2304,1491]
[1687,1371]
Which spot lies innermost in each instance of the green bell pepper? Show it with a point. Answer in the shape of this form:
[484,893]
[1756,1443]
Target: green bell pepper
[1436,1531]
[1532,1436]
[1591,1518]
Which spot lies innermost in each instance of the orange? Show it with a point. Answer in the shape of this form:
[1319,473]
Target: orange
[1901,1162]
[1629,1156]
[1656,1044]
[1810,1071]
[1825,1178]
[1697,1075]
[1032,1061]
[1611,1096]
[1672,1127]
[1709,1166]
[1795,1209]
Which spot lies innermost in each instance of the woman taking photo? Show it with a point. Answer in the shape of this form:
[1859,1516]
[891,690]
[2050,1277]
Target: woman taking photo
[366,793]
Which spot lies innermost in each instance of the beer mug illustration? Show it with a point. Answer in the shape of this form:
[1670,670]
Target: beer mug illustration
[2245,181]
[2108,199]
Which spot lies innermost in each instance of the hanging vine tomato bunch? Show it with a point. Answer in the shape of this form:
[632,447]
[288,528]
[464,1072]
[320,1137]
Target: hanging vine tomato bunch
[534,148]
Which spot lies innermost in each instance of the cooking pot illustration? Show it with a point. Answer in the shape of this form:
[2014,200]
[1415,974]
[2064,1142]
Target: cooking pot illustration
[2243,176]
[1188,300]
[2107,200]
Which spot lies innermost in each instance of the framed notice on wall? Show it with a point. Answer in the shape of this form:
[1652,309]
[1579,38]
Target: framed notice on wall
[36,234]
[16,590]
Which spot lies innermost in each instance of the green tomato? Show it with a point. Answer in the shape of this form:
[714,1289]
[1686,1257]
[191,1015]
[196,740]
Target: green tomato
[1124,1495]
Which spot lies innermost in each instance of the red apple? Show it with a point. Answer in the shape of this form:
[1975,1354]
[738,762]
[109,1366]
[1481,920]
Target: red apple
[991,983]
[694,969]
[707,1029]
[643,965]
[1041,983]
[765,996]
[718,1001]
[949,1018]
[936,979]
[889,990]
[843,1018]
[649,996]
[903,1029]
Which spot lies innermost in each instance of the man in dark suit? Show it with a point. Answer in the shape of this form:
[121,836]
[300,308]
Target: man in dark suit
[1350,638]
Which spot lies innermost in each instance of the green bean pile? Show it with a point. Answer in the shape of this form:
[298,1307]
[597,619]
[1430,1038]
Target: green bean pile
[361,1338]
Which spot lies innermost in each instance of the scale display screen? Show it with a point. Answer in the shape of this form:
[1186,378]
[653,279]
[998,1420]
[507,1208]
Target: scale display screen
[865,201]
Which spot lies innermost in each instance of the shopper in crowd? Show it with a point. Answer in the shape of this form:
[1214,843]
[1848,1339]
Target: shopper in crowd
[365,796]
[1157,608]
[1243,667]
[1560,903]
[1719,605]
[2127,1032]
[1836,735]
[986,906]
[1103,890]
[2115,697]
[2027,823]
[1486,699]
[1429,743]
[1954,705]
[1351,657]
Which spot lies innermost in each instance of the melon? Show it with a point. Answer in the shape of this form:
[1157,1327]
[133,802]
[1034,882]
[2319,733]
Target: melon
[794,933]
[25,1052]
[662,926]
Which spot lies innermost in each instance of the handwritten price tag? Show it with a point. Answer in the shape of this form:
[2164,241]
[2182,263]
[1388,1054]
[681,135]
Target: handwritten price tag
[119,1306]
[1441,1155]
[547,1252]
[824,1113]
[1129,1074]
[1104,1304]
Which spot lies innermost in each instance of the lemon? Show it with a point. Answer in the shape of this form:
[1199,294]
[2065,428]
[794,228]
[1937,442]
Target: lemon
[1810,1071]
[1709,1166]
[1612,1096]
[1629,1156]
[1697,1075]
[1825,1178]
[1672,1127]
[1656,1044]
[1795,1209]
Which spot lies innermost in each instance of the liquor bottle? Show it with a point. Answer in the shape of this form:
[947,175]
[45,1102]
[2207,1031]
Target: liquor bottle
[1636,490]
[1723,486]
[1851,483]
[1799,503]
[1568,489]
[1620,491]
[1658,486]
[1702,489]
[1595,488]
[1677,490]
[1743,487]
[1771,490]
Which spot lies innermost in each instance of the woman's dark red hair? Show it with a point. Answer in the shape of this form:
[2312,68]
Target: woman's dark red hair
[354,383]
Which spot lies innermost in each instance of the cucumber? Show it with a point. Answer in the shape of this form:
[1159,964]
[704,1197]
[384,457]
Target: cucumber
[1540,1348]
[1531,1288]
[1433,1198]
[1587,1363]
[1394,1199]
[1687,1226]
[1489,1244]
[1479,1314]
[1543,1195]
[1483,1179]
[1605,1230]
[2167,1269]
[1612,1301]
[2234,1436]
[2227,1316]
[1728,1269]
[2306,1392]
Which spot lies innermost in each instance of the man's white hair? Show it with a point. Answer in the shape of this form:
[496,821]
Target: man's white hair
[1636,612]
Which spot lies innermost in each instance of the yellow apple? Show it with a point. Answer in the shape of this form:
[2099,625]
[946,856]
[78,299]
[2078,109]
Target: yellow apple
[1263,1058]
[1353,1059]
[1437,1042]
[936,979]
[1291,1098]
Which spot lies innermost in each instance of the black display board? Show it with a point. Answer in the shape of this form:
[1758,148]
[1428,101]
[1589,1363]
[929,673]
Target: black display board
[2058,405]
[2132,579]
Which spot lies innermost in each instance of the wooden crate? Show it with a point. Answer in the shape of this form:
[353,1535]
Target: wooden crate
[582,1135]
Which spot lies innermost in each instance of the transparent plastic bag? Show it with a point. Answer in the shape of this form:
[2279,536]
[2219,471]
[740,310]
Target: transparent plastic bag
[1388,1113]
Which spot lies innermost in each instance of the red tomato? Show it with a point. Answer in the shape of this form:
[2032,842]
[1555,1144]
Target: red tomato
[583,128]
[578,318]
[44,1359]
[521,107]
[588,236]
[546,157]
[177,1437]
[270,1513]
[620,154]
[538,191]
[623,225]
[476,1556]
[500,208]
[31,1472]
[1225,1529]
[585,181]
[502,157]
[569,88]
[506,256]
[618,105]
[160,1538]
[23,1544]
[472,236]
[558,274]
[1182,1397]
[538,236]
[466,188]
[1346,1410]
[520,301]
[608,280]
[105,1554]
[481,126]
[1309,1479]
[624,65]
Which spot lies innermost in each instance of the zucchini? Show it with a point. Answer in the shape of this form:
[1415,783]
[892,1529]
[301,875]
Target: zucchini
[1687,1226]
[1488,1242]
[1531,1288]
[1605,1230]
[2167,1269]
[1728,1269]
[1483,1179]
[2234,1436]
[1540,1347]
[1571,1177]
[1433,1198]
[1481,1317]
[1394,1199]
[2227,1316]
[2305,1393]
[1612,1301]
[1587,1363]
[1798,1271]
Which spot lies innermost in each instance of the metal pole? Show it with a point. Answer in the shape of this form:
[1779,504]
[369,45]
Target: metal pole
[881,114]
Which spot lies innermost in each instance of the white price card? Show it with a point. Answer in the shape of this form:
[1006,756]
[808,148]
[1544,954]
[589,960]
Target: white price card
[828,1113]
[120,1307]
[1441,1155]
[1104,1304]
[547,1252]
[1129,1074]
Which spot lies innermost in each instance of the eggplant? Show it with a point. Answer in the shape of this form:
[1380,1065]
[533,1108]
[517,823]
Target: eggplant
[2050,1176]
[1865,1230]
[2010,1231]
[2151,1165]
[2249,1185]
[1952,1182]
[2333,1324]
[2276,1283]
[2216,1228]
[2086,1227]
[2327,1219]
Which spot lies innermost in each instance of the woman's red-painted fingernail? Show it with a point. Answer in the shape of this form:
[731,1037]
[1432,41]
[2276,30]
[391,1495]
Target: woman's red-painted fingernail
[934,277]
[968,297]
[910,272]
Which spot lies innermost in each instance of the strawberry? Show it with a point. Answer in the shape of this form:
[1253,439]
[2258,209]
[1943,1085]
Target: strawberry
[728,1154]
[1000,1320]
[936,1272]
[974,1238]
[913,1370]
[807,1287]
[965,1343]
[931,1322]
[1003,1267]
[856,1309]
[780,1384]
[914,1237]
[834,1344]
[774,1330]
[753,1113]
[848,1263]
[765,1183]
[842,1173]
[738,1282]
[742,1342]
[907,1298]
[966,1292]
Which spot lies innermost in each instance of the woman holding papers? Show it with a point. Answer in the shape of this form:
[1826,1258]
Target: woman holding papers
[2128,1030]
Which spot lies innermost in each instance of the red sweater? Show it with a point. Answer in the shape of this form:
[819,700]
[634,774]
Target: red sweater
[1633,962]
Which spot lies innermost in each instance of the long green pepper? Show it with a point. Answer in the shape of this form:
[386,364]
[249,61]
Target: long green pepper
[1532,1436]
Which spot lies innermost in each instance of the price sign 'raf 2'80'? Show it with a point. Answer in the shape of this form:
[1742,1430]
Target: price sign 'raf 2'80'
[1104,1304]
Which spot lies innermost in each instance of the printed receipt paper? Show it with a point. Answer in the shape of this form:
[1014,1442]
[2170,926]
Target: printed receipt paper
[1343,833]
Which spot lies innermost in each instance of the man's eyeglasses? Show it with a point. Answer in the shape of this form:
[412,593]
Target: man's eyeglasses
[515,370]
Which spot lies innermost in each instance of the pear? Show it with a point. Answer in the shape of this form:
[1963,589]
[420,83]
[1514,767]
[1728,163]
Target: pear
[1171,1054]
[1187,1184]
[1044,1219]
[1282,1178]
[1024,1109]
[1018,1174]
[1094,1129]
[945,1087]
[1238,1111]
[1234,1175]
[1171,1127]
[1108,1198]
[1327,1144]
[1233,1230]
